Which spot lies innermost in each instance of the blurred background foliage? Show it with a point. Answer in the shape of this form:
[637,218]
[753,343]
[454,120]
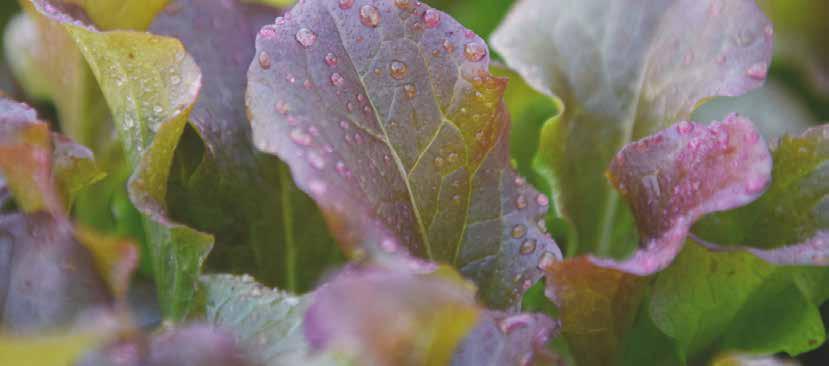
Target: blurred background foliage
[795,97]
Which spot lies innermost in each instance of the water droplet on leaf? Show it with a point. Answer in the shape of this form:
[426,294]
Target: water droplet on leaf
[398,69]
[369,16]
[306,37]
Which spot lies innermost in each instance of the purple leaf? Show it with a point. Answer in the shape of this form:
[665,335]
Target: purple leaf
[389,119]
[676,176]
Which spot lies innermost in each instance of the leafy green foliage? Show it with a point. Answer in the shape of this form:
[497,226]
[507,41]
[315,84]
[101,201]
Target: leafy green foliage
[251,146]
[614,95]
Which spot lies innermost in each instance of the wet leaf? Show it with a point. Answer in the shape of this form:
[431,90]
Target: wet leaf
[676,176]
[389,119]
[789,224]
[597,306]
[267,323]
[623,75]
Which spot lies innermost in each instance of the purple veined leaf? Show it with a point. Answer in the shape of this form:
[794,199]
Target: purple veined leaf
[789,224]
[509,339]
[624,70]
[389,119]
[679,174]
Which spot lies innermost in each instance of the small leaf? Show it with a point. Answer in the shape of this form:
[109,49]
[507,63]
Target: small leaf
[676,176]
[389,119]
[624,70]
[789,224]
[597,306]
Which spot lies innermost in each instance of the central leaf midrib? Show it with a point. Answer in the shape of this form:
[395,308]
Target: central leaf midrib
[397,161]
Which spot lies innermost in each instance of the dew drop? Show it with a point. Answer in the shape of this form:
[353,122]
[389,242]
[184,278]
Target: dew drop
[282,107]
[398,69]
[300,137]
[453,157]
[542,225]
[520,181]
[528,246]
[439,162]
[520,201]
[369,16]
[337,79]
[542,200]
[684,127]
[157,109]
[342,169]
[361,98]
[306,37]
[344,125]
[316,160]
[518,231]
[366,109]
[402,4]
[410,90]
[511,323]
[389,245]
[346,4]
[545,263]
[651,184]
[448,46]
[474,51]
[330,59]
[264,60]
[757,71]
[317,188]
[431,17]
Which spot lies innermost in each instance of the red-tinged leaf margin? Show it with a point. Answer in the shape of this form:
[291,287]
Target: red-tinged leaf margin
[676,176]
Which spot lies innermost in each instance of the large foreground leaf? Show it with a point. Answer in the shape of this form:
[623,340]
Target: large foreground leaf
[624,69]
[388,117]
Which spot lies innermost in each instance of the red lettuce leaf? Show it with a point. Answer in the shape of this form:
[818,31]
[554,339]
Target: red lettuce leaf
[389,119]
[676,176]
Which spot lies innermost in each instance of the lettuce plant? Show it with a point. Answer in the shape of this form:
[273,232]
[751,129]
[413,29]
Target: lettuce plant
[338,182]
